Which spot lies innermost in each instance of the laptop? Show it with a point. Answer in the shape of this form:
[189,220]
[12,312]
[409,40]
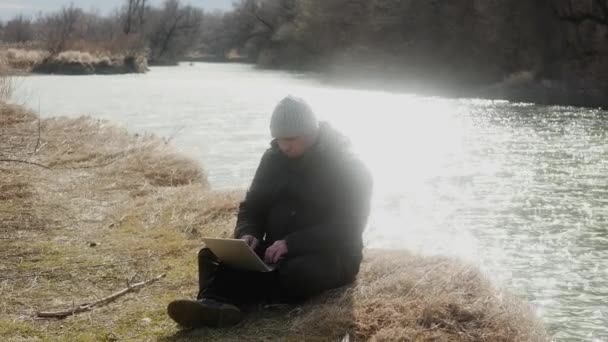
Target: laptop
[237,254]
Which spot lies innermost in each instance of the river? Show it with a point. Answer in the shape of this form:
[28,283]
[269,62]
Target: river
[517,189]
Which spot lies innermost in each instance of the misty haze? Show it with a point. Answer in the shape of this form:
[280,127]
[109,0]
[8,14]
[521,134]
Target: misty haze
[130,132]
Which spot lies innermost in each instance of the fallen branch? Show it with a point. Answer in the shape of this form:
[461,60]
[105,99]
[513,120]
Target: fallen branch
[106,300]
[23,162]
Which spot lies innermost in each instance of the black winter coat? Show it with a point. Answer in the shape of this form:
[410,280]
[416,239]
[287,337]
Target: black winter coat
[318,203]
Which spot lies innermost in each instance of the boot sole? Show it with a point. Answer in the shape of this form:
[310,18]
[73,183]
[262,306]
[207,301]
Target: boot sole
[193,314]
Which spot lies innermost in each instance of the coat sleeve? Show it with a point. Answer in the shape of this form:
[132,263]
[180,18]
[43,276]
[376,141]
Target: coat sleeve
[350,201]
[253,210]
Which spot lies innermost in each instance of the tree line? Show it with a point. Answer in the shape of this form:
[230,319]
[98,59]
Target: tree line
[164,33]
[475,41]
[470,41]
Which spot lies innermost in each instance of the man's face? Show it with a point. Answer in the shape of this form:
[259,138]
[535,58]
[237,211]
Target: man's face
[294,147]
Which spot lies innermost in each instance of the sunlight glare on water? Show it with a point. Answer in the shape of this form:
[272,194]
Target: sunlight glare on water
[520,190]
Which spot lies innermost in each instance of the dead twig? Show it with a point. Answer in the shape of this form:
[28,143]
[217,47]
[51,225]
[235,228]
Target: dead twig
[89,306]
[39,119]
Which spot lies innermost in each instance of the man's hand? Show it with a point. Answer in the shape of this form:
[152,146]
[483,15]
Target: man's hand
[251,241]
[276,252]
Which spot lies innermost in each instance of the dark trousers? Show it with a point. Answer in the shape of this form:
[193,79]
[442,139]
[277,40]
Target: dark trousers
[295,279]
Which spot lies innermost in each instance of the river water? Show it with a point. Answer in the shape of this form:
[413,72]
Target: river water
[518,189]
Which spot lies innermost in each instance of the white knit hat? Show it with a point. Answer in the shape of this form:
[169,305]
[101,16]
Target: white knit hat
[293,117]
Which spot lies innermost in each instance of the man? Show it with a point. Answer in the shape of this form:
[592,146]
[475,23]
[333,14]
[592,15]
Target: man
[305,211]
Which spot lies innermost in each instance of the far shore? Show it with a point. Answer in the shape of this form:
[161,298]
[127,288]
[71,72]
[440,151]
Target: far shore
[17,61]
[520,87]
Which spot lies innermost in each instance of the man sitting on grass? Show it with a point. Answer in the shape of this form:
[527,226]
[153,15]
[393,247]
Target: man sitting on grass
[305,211]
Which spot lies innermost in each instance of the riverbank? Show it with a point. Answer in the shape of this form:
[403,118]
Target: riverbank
[523,86]
[23,61]
[101,206]
[519,87]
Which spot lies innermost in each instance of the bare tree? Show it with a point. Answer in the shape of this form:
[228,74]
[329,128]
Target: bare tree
[18,30]
[174,30]
[256,8]
[97,29]
[56,30]
[134,16]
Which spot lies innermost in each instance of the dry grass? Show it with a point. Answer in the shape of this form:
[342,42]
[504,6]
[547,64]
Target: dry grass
[6,85]
[21,60]
[115,206]
[83,57]
[16,59]
[118,45]
[82,62]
